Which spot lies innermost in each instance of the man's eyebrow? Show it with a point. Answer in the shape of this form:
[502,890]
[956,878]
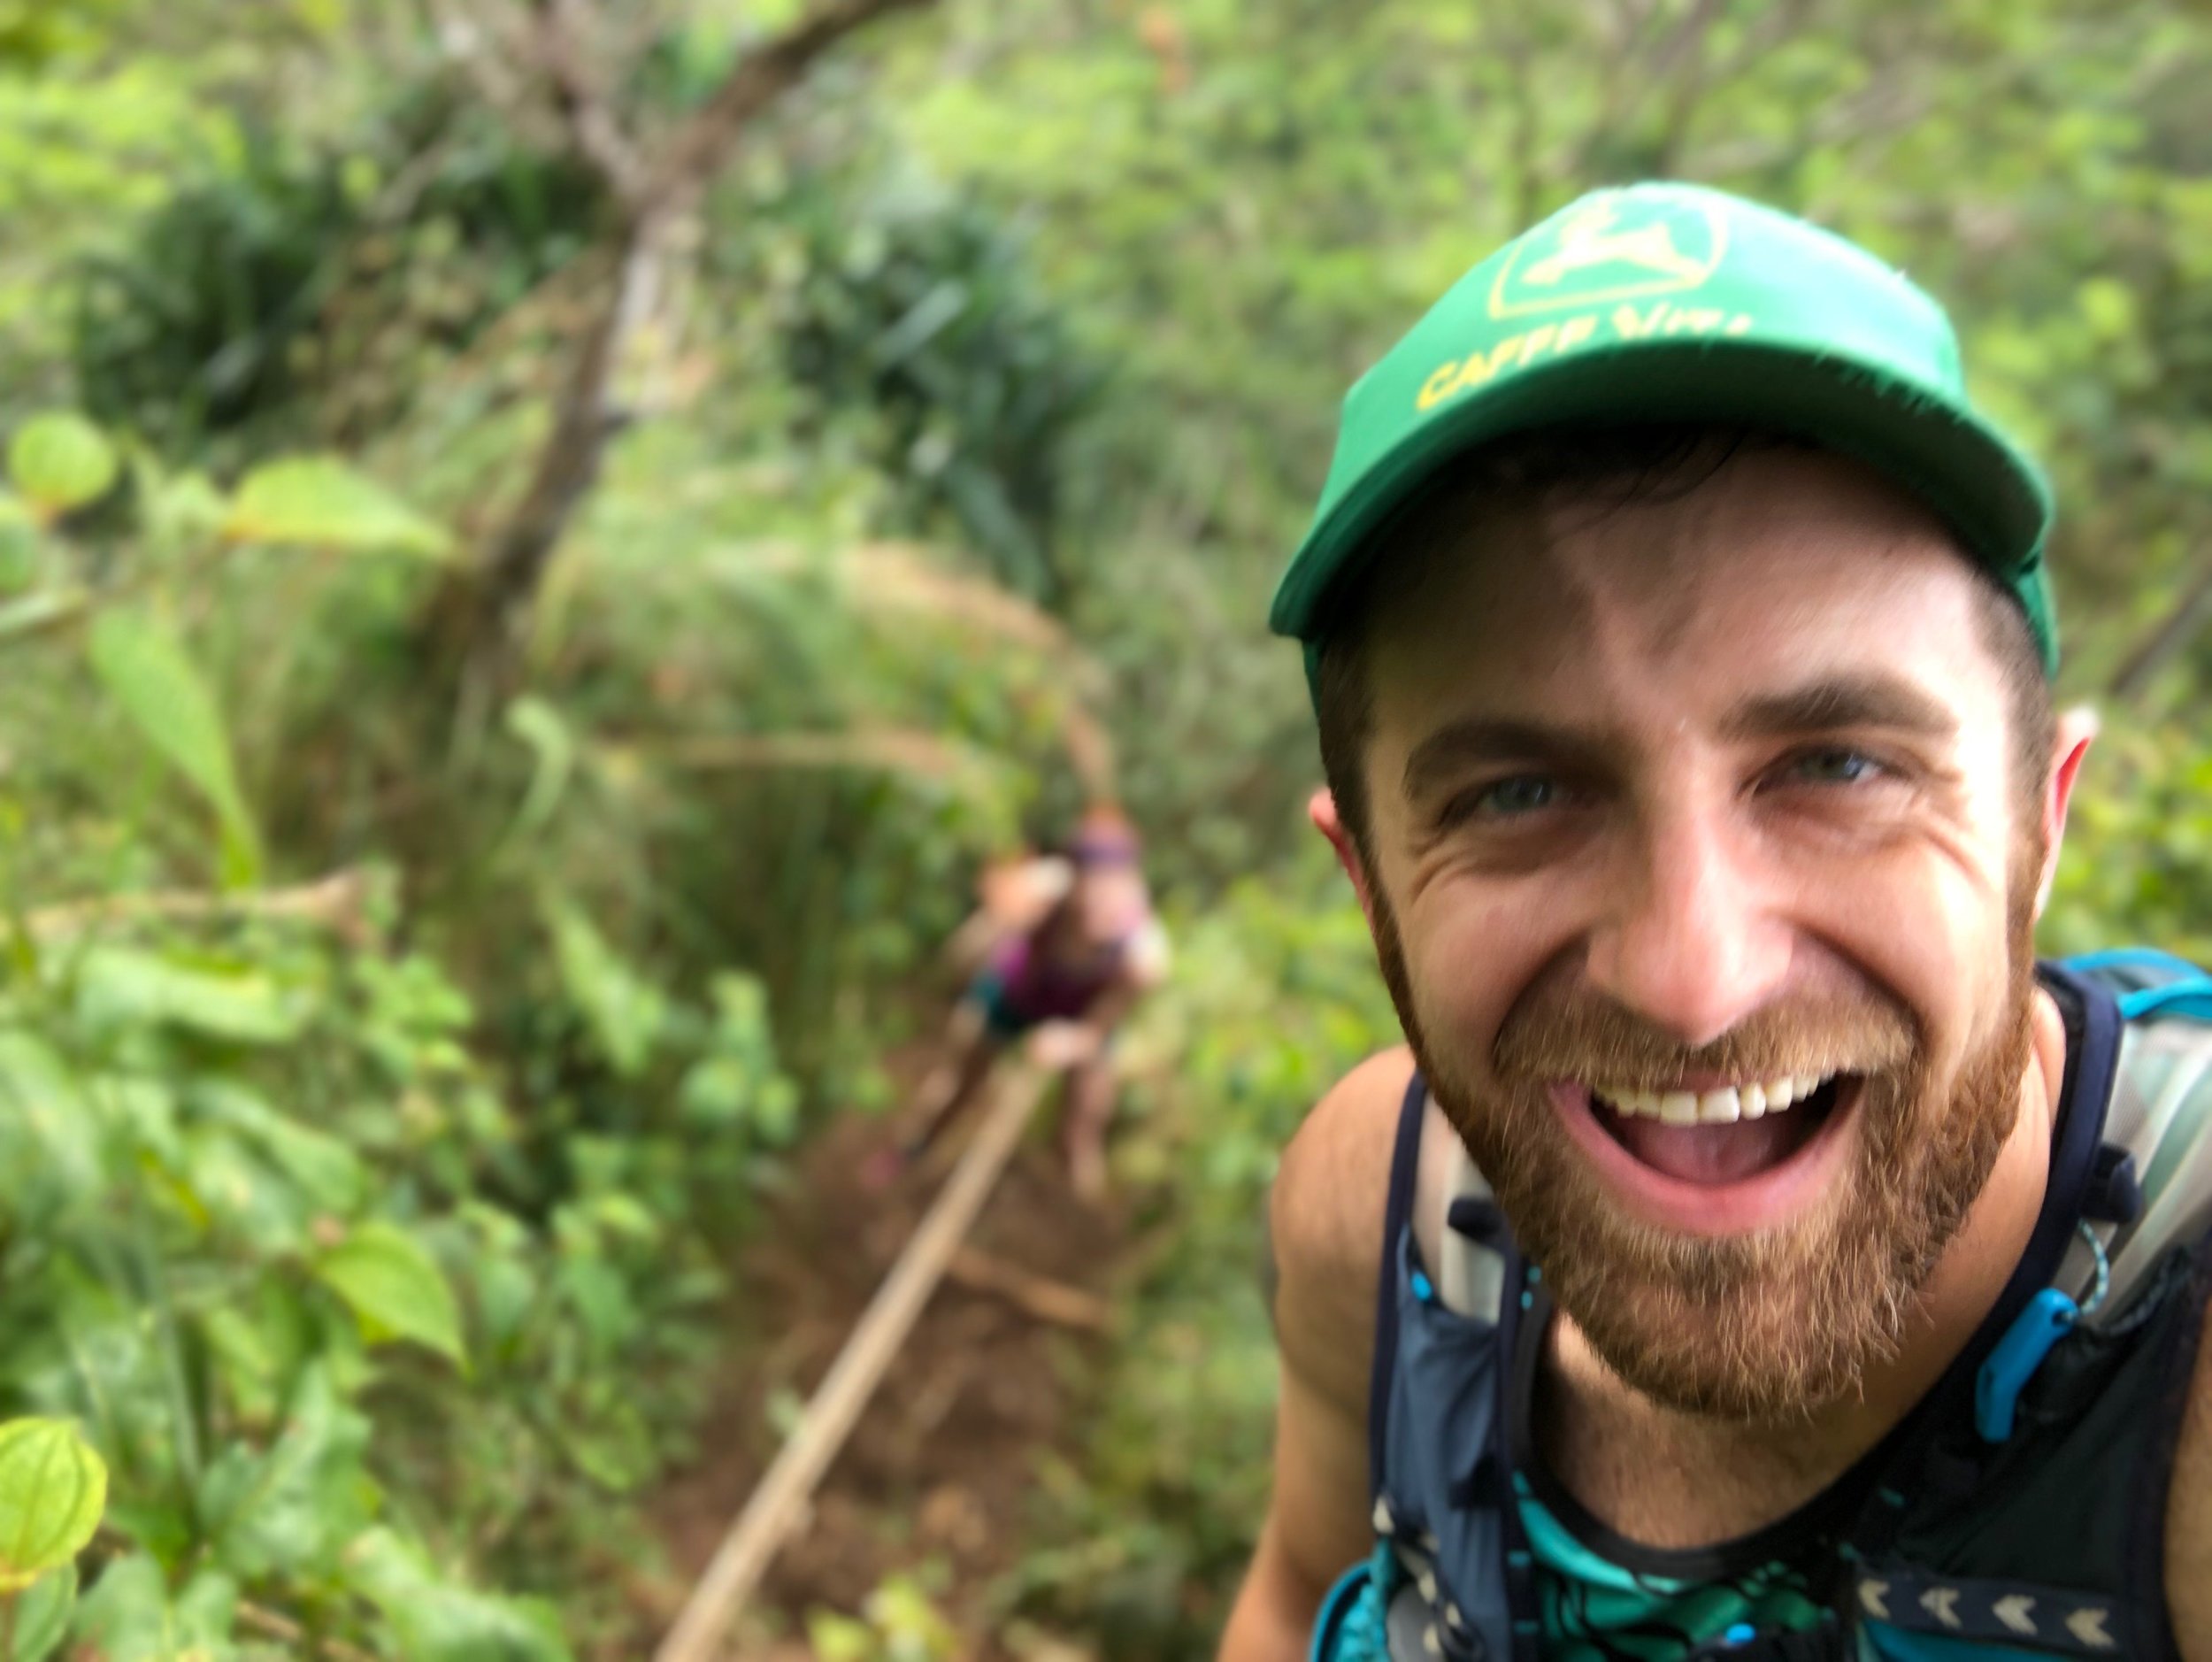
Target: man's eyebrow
[1842,701]
[1446,754]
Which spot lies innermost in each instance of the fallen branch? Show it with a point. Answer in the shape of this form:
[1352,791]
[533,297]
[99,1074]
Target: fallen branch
[769,1516]
[1038,1295]
[335,902]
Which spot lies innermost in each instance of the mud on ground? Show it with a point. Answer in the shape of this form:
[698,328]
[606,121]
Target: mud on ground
[942,1468]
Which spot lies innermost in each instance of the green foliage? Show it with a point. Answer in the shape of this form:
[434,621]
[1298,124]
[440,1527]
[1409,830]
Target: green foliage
[900,1624]
[41,1614]
[299,269]
[59,461]
[920,307]
[439,1622]
[258,1424]
[52,1489]
[274,1232]
[276,1176]
[2137,864]
[133,1614]
[146,670]
[318,502]
[395,1288]
[195,333]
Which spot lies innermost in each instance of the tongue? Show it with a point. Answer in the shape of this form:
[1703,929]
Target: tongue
[1706,1154]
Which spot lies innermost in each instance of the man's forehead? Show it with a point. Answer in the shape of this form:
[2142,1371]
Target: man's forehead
[1780,567]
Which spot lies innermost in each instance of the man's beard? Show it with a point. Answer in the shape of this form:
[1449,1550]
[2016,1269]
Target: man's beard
[1767,1326]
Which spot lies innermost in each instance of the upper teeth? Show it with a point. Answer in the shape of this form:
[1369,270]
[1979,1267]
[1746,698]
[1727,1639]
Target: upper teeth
[1712,1107]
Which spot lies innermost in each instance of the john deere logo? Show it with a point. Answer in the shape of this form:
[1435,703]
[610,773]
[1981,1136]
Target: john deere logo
[1617,248]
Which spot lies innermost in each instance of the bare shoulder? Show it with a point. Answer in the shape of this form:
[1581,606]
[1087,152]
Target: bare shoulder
[1326,1225]
[2189,1519]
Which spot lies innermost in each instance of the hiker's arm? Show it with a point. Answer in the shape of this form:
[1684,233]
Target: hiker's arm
[976,938]
[1325,1222]
[2189,1519]
[1014,897]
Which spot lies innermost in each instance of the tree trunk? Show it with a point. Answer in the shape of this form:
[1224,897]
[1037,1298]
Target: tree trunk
[586,416]
[479,622]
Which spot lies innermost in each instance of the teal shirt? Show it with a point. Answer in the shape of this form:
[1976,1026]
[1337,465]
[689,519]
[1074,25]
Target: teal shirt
[1594,1610]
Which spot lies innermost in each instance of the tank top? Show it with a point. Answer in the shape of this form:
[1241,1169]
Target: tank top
[1036,987]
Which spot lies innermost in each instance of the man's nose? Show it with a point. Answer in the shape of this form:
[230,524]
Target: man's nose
[1689,939]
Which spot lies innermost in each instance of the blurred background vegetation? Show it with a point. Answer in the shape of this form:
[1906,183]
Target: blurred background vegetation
[545,540]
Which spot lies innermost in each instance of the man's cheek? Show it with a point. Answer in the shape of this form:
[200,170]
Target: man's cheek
[1456,988]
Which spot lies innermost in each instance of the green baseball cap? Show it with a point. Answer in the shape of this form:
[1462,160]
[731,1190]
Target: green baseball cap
[1666,302]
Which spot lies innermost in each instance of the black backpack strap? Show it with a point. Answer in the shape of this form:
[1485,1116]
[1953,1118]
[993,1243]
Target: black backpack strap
[1405,1166]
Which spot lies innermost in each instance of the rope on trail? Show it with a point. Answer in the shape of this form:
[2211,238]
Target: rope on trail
[752,1541]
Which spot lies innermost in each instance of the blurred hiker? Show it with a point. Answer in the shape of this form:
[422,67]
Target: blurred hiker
[1753,1252]
[1065,945]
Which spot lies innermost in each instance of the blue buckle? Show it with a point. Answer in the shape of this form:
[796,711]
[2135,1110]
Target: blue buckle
[2049,1316]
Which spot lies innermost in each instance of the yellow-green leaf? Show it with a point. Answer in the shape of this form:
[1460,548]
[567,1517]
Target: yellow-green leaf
[53,1488]
[395,1287]
[320,502]
[146,669]
[60,461]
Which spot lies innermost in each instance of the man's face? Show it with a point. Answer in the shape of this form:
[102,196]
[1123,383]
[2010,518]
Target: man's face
[1701,809]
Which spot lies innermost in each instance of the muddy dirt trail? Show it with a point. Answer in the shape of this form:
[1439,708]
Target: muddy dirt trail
[940,1471]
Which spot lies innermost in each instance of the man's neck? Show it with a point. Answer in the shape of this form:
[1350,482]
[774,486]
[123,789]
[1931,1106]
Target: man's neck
[1671,1479]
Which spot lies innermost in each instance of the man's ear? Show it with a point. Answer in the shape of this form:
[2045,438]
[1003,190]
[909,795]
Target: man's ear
[2077,730]
[1321,809]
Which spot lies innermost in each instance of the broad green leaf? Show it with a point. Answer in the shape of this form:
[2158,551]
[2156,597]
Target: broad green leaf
[289,1509]
[256,1345]
[131,1616]
[539,724]
[60,461]
[52,1490]
[328,1172]
[320,502]
[625,1013]
[41,1614]
[146,669]
[120,986]
[395,1287]
[235,1190]
[49,1142]
[435,1620]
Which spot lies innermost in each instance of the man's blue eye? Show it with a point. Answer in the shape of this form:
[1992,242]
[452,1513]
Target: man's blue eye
[1834,766]
[1524,793]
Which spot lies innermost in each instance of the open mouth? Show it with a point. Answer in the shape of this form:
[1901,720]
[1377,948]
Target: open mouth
[1718,1158]
[1722,1136]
